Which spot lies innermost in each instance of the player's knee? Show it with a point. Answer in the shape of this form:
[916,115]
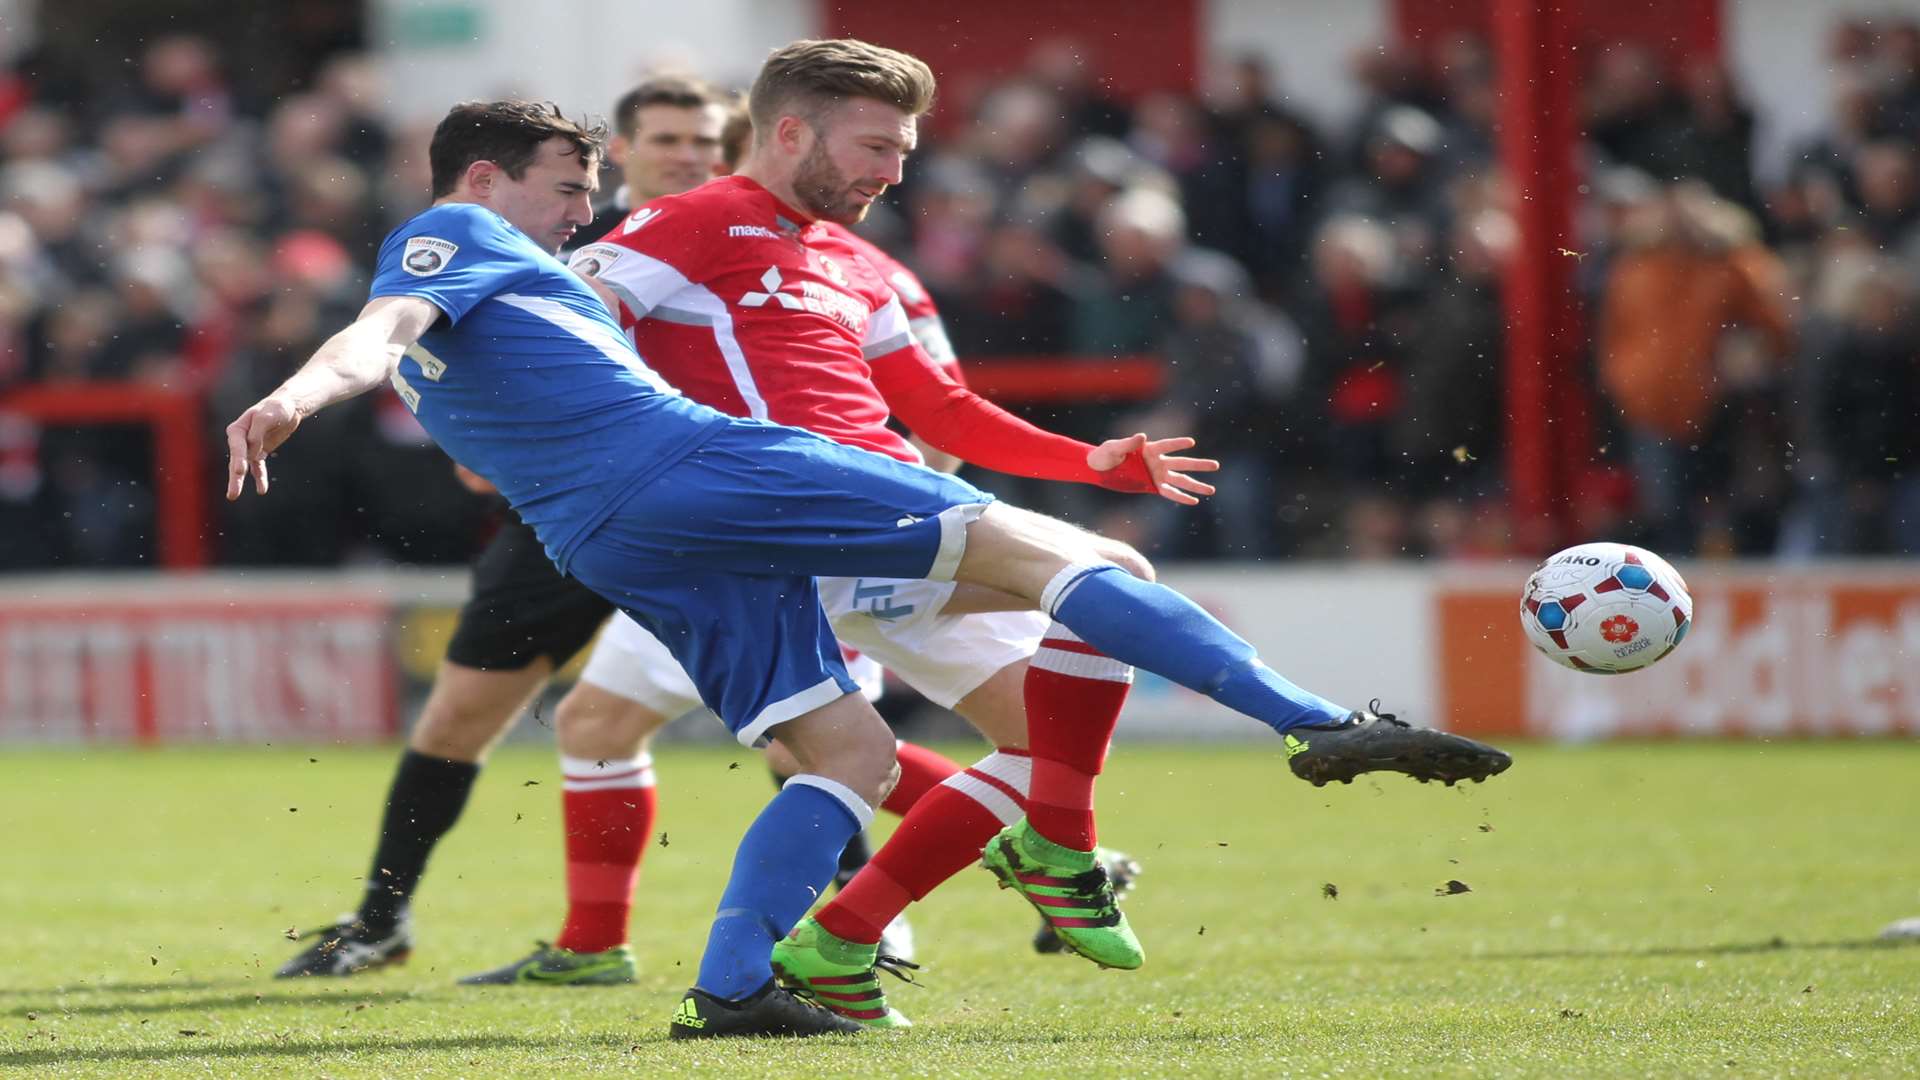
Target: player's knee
[1018,551]
[869,764]
[846,742]
[873,760]
[591,722]
[1126,558]
[887,783]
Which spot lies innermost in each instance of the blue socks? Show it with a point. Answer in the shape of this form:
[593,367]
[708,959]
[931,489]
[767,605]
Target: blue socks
[788,856]
[1152,627]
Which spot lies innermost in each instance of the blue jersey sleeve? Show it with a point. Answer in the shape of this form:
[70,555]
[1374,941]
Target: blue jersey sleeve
[452,256]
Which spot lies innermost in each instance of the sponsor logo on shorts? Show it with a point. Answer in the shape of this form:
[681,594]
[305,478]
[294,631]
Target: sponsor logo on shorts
[425,256]
[878,601]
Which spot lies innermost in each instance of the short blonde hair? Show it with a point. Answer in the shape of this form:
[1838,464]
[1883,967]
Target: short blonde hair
[807,78]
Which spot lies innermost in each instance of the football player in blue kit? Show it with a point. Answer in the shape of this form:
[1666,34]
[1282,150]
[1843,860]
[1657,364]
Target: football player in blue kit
[709,530]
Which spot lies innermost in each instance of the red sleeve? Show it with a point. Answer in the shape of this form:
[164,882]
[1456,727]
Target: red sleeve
[952,418]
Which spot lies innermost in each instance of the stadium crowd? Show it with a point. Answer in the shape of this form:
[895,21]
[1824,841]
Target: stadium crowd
[1327,302]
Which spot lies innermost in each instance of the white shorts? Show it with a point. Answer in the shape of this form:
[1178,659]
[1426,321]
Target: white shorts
[945,657]
[896,623]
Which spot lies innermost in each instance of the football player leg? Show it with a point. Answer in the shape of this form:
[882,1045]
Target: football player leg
[1135,621]
[921,770]
[522,619]
[965,649]
[608,807]
[761,653]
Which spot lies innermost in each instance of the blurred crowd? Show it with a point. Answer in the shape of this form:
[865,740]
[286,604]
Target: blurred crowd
[1329,305]
[175,236]
[1327,302]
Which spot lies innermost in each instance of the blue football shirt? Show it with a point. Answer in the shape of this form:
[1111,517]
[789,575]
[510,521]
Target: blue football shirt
[527,380]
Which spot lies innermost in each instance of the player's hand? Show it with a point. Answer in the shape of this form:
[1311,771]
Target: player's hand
[258,432]
[1169,474]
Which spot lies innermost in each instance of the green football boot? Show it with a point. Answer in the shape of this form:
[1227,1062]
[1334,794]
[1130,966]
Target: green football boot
[550,965]
[1122,869]
[839,975]
[1070,889]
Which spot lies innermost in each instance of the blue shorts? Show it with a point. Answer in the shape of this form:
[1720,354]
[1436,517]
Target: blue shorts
[717,557]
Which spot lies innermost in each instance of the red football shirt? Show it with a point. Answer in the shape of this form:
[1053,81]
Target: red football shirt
[922,316]
[748,306]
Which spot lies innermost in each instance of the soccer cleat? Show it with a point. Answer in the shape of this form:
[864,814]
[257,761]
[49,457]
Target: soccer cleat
[1076,899]
[349,948]
[770,1010]
[1371,741]
[1122,869]
[552,966]
[840,976]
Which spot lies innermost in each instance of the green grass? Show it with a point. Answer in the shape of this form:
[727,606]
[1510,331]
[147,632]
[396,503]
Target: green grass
[1636,910]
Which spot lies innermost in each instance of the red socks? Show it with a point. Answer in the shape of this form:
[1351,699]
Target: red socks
[607,811]
[940,836]
[920,770]
[1074,694]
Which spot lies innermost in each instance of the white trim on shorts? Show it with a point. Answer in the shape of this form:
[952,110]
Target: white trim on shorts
[822,693]
[953,539]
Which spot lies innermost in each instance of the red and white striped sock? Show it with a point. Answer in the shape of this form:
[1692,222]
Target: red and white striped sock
[1074,694]
[939,837]
[607,810]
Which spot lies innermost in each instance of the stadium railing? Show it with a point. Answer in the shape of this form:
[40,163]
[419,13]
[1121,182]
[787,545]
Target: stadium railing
[177,423]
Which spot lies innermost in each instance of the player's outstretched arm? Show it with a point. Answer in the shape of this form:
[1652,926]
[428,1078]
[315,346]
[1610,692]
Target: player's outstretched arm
[348,364]
[957,420]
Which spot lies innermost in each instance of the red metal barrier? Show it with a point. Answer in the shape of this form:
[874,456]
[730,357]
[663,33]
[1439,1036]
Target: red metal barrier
[1012,380]
[179,454]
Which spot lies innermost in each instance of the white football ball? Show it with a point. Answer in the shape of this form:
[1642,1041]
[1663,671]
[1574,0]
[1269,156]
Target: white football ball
[1606,609]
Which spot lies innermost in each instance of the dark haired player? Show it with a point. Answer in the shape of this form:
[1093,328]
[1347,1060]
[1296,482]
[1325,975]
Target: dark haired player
[523,621]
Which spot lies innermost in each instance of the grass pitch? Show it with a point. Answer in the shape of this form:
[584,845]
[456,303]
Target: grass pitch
[1634,910]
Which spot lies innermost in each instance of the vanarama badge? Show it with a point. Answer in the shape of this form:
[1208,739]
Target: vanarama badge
[426,256]
[590,260]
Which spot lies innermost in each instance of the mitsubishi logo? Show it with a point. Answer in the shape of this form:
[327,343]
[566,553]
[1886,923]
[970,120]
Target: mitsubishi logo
[770,281]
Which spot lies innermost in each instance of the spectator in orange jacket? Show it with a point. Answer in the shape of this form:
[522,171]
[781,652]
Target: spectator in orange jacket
[1695,310]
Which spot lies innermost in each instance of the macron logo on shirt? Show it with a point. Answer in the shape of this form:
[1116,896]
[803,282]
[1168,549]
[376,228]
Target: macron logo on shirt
[638,218]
